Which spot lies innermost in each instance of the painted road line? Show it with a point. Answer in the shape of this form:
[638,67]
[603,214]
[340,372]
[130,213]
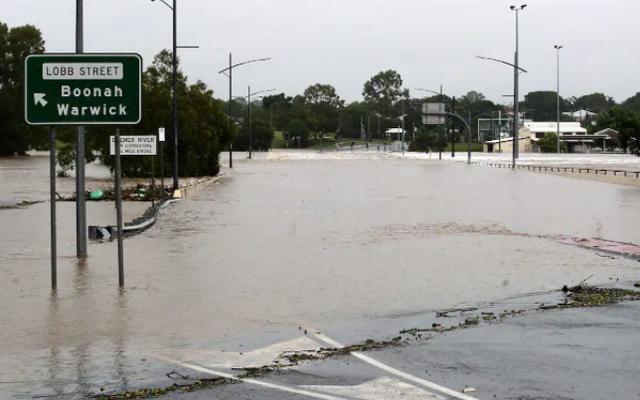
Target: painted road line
[267,385]
[255,358]
[396,372]
[383,388]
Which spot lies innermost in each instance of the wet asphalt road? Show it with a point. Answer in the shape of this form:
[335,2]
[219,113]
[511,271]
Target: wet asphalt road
[357,247]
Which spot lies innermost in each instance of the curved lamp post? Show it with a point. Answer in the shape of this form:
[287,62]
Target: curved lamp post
[174,71]
[517,71]
[248,97]
[229,73]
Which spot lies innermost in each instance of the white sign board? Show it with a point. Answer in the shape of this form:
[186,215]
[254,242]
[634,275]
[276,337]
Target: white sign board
[134,145]
[433,113]
[161,134]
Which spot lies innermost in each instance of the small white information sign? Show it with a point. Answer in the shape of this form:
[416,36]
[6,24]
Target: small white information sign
[144,145]
[161,134]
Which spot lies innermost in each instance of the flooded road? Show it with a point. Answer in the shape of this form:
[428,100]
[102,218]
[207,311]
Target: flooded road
[289,240]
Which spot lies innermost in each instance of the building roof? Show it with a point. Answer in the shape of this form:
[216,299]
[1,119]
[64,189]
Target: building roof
[581,114]
[565,127]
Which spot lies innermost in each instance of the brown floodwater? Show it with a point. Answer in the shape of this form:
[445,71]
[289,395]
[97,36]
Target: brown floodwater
[285,240]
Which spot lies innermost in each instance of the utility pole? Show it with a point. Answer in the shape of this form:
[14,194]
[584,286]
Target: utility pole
[174,73]
[249,119]
[558,47]
[230,118]
[81,210]
[453,145]
[516,105]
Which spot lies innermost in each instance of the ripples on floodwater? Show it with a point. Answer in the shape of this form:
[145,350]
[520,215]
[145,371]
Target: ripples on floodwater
[281,242]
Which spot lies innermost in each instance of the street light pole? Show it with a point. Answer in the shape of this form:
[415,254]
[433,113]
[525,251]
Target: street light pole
[516,75]
[230,118]
[174,98]
[229,73]
[558,47]
[249,119]
[176,183]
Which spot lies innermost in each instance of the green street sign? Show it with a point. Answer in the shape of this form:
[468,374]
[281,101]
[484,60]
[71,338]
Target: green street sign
[83,89]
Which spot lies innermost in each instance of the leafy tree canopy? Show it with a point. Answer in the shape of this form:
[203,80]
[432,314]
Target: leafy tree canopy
[383,90]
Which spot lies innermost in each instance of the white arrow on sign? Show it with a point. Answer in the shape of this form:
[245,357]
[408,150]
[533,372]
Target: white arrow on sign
[38,98]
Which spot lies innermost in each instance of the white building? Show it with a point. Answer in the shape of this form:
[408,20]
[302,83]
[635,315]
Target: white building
[573,137]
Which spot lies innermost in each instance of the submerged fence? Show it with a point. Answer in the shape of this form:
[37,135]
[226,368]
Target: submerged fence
[575,170]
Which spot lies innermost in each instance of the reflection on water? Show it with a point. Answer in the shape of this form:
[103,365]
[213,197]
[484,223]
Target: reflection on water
[280,243]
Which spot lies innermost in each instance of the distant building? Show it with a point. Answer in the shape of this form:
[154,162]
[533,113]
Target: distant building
[572,135]
[580,115]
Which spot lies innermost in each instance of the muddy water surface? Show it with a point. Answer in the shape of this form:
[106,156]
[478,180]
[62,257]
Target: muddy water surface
[280,243]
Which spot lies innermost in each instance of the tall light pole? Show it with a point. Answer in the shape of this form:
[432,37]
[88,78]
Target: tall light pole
[517,72]
[516,100]
[558,47]
[229,73]
[174,73]
[248,98]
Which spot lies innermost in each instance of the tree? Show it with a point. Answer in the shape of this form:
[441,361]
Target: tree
[594,102]
[632,103]
[383,91]
[625,122]
[204,129]
[297,133]
[426,140]
[541,105]
[322,103]
[549,143]
[261,137]
[16,137]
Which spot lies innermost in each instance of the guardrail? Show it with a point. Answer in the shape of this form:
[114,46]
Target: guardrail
[541,168]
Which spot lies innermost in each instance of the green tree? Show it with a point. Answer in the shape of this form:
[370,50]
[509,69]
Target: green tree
[594,102]
[383,91]
[16,137]
[549,143]
[261,137]
[632,103]
[297,133]
[625,122]
[204,129]
[541,105]
[426,140]
[322,102]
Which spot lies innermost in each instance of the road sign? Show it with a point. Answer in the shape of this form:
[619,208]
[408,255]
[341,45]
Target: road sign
[144,145]
[161,134]
[433,113]
[83,89]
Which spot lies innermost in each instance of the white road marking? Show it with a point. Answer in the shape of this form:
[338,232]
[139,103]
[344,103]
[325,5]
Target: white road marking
[268,385]
[384,388]
[254,358]
[396,372]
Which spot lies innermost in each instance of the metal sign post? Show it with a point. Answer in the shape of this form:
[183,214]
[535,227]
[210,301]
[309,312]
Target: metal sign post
[118,194]
[161,140]
[83,89]
[52,199]
[434,114]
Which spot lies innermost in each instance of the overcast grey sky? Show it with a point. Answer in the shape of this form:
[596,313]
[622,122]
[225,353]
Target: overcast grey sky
[345,42]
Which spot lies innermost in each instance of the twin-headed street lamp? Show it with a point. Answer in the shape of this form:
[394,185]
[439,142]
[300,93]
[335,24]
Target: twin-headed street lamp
[174,72]
[248,98]
[229,73]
